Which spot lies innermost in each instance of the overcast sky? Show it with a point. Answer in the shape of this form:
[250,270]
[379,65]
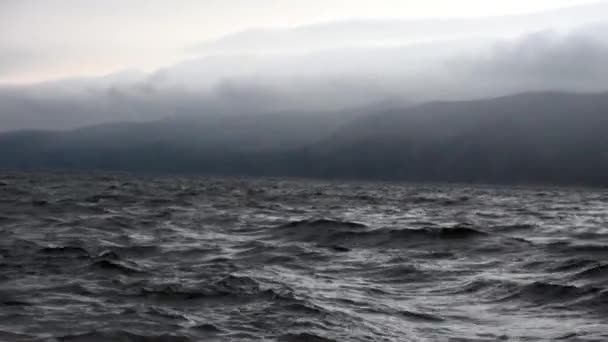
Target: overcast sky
[46,39]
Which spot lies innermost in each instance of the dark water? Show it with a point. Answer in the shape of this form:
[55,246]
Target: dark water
[114,258]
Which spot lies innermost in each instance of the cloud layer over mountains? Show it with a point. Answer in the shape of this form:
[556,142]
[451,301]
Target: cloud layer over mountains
[335,66]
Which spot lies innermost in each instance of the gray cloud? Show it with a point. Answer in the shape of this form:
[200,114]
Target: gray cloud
[552,58]
[319,78]
[47,39]
[541,61]
[398,32]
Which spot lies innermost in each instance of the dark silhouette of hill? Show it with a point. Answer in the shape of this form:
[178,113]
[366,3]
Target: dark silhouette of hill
[551,137]
[221,142]
[546,137]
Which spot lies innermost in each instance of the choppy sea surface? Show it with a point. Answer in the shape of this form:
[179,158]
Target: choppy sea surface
[122,258]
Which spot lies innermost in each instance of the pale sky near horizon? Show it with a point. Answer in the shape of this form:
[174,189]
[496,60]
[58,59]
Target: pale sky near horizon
[45,39]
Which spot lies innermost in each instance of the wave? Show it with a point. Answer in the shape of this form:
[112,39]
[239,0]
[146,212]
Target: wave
[14,337]
[237,285]
[110,261]
[569,248]
[487,289]
[599,271]
[420,316]
[230,286]
[304,337]
[323,223]
[457,232]
[294,255]
[537,293]
[40,203]
[230,290]
[343,235]
[9,301]
[66,251]
[117,266]
[7,220]
[303,307]
[208,328]
[549,293]
[440,200]
[135,250]
[571,264]
[514,227]
[100,198]
[397,274]
[122,336]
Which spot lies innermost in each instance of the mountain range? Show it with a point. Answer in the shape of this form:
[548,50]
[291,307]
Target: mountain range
[535,137]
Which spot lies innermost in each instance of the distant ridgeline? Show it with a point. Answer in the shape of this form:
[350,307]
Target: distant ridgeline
[553,138]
